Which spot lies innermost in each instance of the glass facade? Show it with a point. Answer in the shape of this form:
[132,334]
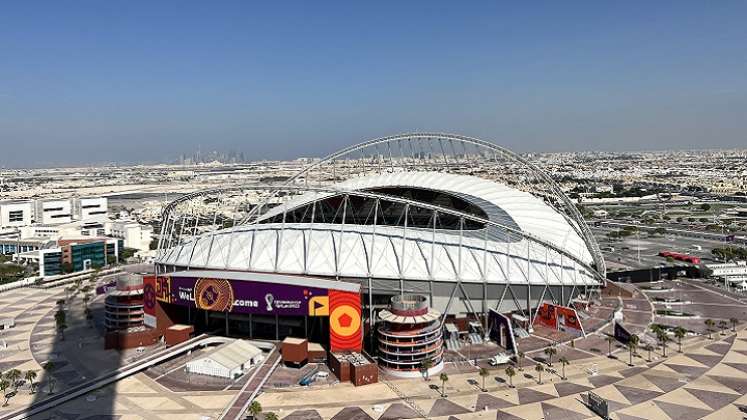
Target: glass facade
[93,252]
[52,263]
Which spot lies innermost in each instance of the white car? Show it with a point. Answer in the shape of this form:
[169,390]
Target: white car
[499,359]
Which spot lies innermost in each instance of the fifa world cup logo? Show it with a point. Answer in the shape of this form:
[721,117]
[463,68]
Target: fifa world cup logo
[269,298]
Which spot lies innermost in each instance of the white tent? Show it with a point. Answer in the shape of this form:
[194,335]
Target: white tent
[227,361]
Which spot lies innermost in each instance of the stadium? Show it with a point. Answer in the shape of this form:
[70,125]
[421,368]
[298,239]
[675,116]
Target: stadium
[471,226]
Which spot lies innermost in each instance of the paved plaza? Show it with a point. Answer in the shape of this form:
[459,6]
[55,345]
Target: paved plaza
[707,380]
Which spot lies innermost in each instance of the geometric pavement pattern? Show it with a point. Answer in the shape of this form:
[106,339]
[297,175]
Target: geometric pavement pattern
[707,381]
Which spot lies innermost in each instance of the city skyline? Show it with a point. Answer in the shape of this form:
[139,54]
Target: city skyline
[97,83]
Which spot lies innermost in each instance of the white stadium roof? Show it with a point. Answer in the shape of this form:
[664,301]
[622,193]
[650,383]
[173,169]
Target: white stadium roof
[551,252]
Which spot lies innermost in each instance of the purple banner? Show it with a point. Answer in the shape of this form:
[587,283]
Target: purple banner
[106,287]
[241,296]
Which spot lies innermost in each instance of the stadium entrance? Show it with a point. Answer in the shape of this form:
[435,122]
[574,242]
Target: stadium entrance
[256,305]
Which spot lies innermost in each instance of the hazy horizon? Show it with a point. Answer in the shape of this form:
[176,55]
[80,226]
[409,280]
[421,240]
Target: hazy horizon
[88,83]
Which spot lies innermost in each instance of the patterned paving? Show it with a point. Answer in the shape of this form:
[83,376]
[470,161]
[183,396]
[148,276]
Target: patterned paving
[708,380]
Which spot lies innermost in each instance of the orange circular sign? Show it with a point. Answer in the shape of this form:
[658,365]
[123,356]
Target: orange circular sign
[345,321]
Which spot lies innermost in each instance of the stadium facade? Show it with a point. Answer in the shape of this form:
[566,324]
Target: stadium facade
[468,224]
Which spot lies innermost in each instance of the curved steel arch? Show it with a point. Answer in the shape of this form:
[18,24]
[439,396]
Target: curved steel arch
[333,192]
[577,221]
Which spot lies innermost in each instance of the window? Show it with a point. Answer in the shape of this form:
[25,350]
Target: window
[53,209]
[15,216]
[91,206]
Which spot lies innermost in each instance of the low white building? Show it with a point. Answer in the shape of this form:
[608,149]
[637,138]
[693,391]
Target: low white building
[16,213]
[737,269]
[92,227]
[91,208]
[52,212]
[227,361]
[134,234]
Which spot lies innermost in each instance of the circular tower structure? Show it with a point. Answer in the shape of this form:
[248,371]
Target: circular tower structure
[124,305]
[409,334]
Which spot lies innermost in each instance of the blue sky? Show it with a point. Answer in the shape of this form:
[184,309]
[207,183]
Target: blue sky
[142,81]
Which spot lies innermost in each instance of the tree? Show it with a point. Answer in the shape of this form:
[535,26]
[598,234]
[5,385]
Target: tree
[564,362]
[722,326]
[705,206]
[68,290]
[550,351]
[255,408]
[271,416]
[521,357]
[48,368]
[539,368]
[610,339]
[663,339]
[60,321]
[734,322]
[4,385]
[30,376]
[426,365]
[709,324]
[14,375]
[632,346]
[510,372]
[679,333]
[443,378]
[649,348]
[484,373]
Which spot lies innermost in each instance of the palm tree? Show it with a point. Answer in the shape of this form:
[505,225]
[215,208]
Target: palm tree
[4,385]
[610,339]
[709,324]
[734,322]
[14,375]
[443,377]
[521,357]
[722,326]
[663,338]
[255,408]
[48,368]
[484,373]
[539,368]
[632,346]
[550,351]
[649,348]
[426,365]
[510,372]
[680,333]
[30,376]
[271,416]
[60,321]
[564,362]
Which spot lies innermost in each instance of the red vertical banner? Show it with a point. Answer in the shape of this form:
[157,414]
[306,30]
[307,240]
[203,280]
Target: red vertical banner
[547,316]
[345,325]
[569,321]
[149,301]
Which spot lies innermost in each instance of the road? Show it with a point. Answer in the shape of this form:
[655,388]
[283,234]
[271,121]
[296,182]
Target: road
[247,394]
